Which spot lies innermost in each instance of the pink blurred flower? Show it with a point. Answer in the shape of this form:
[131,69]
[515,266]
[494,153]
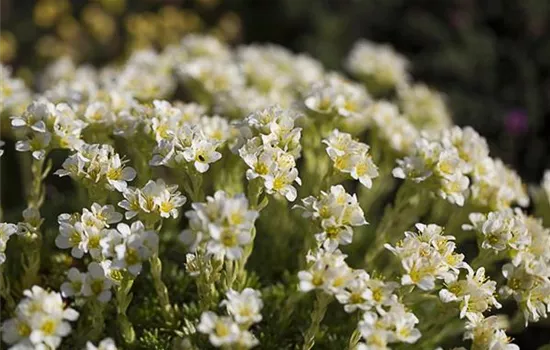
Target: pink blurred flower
[516,122]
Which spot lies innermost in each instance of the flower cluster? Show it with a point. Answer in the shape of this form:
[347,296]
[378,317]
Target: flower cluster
[154,201]
[523,240]
[438,166]
[352,157]
[337,97]
[427,256]
[385,319]
[475,293]
[338,212]
[394,130]
[379,66]
[424,107]
[455,163]
[14,95]
[488,333]
[98,167]
[124,249]
[185,135]
[238,83]
[244,311]
[394,325]
[271,155]
[40,321]
[45,126]
[223,225]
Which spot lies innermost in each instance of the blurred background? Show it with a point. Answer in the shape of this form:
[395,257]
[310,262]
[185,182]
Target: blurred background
[490,57]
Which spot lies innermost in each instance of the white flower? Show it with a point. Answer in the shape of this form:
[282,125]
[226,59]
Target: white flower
[98,165]
[272,154]
[105,344]
[501,230]
[223,223]
[227,242]
[546,184]
[96,283]
[475,293]
[221,330]
[14,95]
[155,200]
[117,175]
[439,165]
[377,64]
[245,306]
[488,333]
[427,256]
[390,326]
[424,107]
[337,212]
[40,321]
[6,230]
[247,340]
[44,126]
[356,294]
[202,152]
[351,157]
[327,271]
[74,237]
[137,246]
[73,287]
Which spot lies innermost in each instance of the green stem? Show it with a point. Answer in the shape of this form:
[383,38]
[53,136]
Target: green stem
[31,257]
[5,291]
[96,319]
[209,273]
[123,298]
[162,291]
[231,270]
[240,268]
[354,339]
[396,218]
[254,192]
[485,258]
[319,310]
[37,193]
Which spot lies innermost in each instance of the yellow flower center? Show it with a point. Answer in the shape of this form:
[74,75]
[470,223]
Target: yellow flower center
[166,207]
[96,286]
[278,184]
[229,239]
[355,298]
[74,238]
[93,243]
[377,295]
[23,329]
[132,257]
[48,327]
[261,168]
[362,168]
[221,329]
[114,174]
[317,280]
[332,232]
